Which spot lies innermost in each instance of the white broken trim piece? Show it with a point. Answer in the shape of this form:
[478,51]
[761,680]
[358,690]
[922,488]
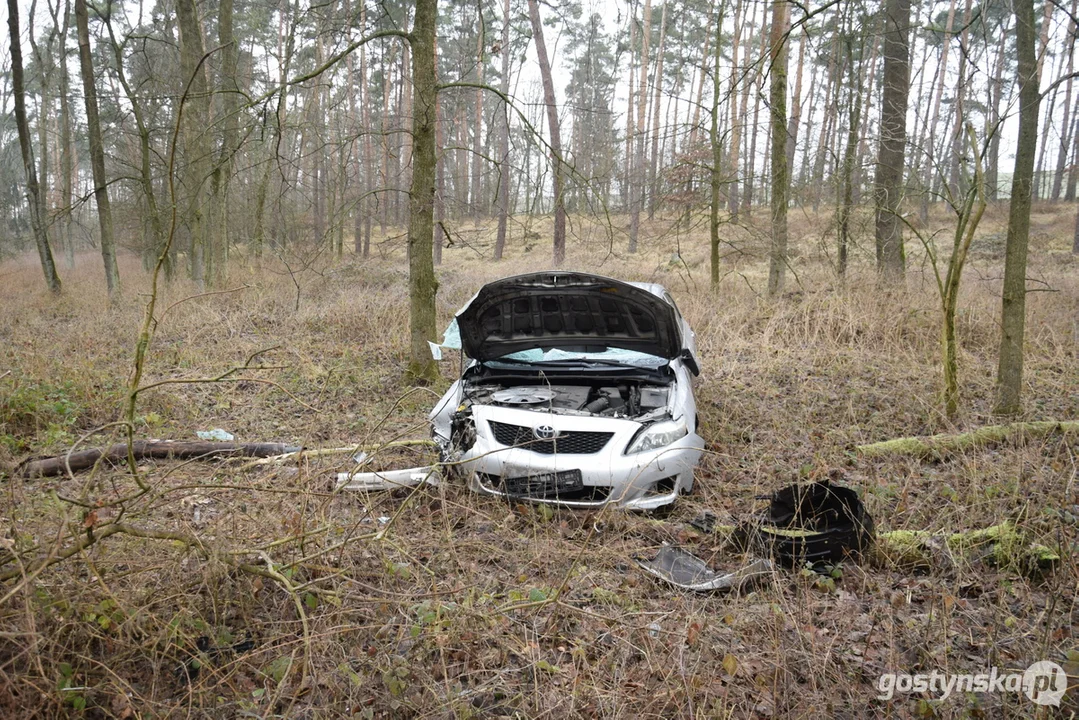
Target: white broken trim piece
[687,571]
[389,479]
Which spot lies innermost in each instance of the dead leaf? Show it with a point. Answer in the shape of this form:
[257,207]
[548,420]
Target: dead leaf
[730,664]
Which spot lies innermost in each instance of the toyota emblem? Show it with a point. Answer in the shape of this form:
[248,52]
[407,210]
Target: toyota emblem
[544,432]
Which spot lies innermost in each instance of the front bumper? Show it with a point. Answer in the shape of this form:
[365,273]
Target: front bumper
[642,481]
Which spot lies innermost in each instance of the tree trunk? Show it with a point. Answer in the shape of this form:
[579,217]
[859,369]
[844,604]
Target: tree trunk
[1073,172]
[627,170]
[368,160]
[1013,302]
[157,230]
[955,187]
[97,152]
[893,136]
[504,139]
[195,124]
[1075,237]
[477,206]
[777,262]
[1066,125]
[995,125]
[929,148]
[735,118]
[636,182]
[717,152]
[796,105]
[67,163]
[751,156]
[854,100]
[657,93]
[33,194]
[556,137]
[222,172]
[422,285]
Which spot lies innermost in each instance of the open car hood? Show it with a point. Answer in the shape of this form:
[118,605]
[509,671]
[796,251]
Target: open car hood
[566,309]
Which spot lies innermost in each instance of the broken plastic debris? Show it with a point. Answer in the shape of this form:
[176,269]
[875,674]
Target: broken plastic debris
[687,571]
[436,350]
[388,479]
[813,523]
[215,434]
[360,458]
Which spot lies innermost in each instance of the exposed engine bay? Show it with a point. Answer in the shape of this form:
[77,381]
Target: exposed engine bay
[629,399]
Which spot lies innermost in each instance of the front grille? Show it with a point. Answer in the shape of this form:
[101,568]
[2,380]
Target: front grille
[567,487]
[573,442]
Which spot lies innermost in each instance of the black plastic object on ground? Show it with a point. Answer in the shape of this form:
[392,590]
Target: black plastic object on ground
[813,523]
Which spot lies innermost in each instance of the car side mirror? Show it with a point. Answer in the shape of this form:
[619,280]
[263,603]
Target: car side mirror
[688,360]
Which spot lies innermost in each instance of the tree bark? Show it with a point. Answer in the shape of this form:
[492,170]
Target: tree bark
[854,99]
[940,446]
[929,149]
[196,120]
[735,116]
[995,125]
[1013,301]
[422,285]
[893,136]
[796,105]
[556,137]
[97,152]
[636,181]
[147,449]
[222,172]
[33,194]
[777,264]
[478,205]
[717,152]
[657,92]
[67,163]
[504,139]
[157,231]
[1066,125]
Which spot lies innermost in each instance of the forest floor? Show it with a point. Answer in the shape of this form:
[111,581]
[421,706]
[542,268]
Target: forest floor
[268,595]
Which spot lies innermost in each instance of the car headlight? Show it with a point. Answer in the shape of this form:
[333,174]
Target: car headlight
[657,435]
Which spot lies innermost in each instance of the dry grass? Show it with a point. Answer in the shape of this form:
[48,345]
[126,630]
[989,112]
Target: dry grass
[447,609]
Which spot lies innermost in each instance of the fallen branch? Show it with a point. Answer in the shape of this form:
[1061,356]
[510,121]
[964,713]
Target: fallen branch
[940,445]
[146,449]
[1003,546]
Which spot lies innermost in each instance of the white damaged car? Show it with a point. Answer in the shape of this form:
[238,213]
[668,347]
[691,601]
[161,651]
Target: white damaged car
[577,391]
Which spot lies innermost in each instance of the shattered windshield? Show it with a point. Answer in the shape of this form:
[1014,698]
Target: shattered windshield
[451,339]
[607,356]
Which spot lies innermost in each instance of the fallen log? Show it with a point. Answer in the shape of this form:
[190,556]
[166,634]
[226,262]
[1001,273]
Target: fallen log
[146,450]
[940,445]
